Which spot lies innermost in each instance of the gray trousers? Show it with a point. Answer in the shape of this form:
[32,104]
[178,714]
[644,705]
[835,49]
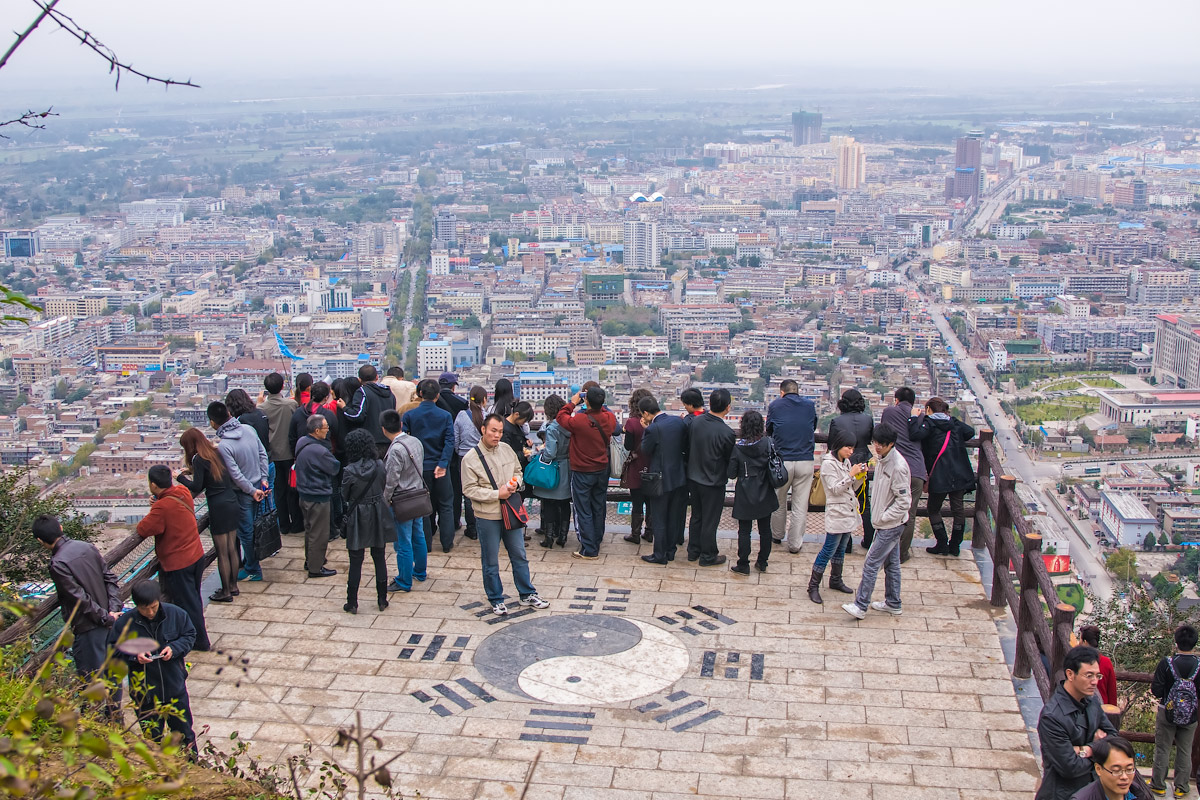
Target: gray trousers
[884,552]
[918,486]
[1167,736]
[316,533]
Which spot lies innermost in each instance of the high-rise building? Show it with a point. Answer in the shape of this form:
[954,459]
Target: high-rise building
[445,228]
[967,180]
[1177,351]
[851,170]
[643,248]
[806,127]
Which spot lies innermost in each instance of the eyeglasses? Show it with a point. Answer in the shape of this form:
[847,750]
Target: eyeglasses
[1123,772]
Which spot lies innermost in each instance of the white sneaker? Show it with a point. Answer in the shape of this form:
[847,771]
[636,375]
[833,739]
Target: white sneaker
[879,605]
[499,609]
[535,601]
[853,610]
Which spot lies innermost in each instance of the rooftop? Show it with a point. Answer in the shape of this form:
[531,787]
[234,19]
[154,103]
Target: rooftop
[1128,507]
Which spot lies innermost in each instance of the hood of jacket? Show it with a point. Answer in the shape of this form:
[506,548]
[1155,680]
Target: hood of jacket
[231,430]
[361,469]
[380,391]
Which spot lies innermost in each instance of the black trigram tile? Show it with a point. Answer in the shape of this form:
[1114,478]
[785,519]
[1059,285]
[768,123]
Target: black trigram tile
[453,697]
[550,720]
[692,622]
[484,613]
[674,708]
[708,665]
[587,598]
[434,648]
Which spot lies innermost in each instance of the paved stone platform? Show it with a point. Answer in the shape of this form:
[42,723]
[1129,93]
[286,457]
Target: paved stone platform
[639,683]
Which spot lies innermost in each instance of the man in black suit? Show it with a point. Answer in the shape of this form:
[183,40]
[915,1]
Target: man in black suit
[709,447]
[663,446]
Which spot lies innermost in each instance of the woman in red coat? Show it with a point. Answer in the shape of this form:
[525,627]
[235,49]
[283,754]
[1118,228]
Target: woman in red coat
[1090,635]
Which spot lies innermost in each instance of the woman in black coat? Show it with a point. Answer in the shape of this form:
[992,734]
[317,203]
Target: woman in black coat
[943,441]
[204,471]
[855,424]
[368,521]
[241,406]
[753,497]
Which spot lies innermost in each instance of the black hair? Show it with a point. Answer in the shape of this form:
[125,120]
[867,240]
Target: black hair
[319,392]
[851,404]
[160,476]
[491,417]
[360,446]
[551,406]
[906,395]
[273,383]
[595,397]
[1102,749]
[238,402]
[752,427]
[1090,635]
[367,373]
[788,386]
[144,593]
[390,420]
[218,412]
[1079,655]
[348,388]
[303,382]
[47,528]
[523,410]
[314,422]
[692,397]
[429,389]
[1185,637]
[719,400]
[503,398]
[884,434]
[396,372]
[475,401]
[648,405]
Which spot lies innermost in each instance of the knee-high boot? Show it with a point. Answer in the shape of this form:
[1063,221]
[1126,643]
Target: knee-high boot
[814,586]
[940,548]
[956,536]
[835,578]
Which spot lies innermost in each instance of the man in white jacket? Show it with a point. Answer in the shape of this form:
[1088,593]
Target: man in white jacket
[890,501]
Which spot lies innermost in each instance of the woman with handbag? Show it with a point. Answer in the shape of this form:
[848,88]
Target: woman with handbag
[204,471]
[944,440]
[467,427]
[367,519]
[556,500]
[491,476]
[631,475]
[409,497]
[856,423]
[841,482]
[754,498]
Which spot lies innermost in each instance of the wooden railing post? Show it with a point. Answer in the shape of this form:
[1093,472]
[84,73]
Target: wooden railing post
[983,474]
[1002,552]
[1028,600]
[1063,617]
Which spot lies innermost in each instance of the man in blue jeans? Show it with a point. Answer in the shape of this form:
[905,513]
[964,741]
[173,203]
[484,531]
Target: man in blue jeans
[890,501]
[434,428]
[491,474]
[403,466]
[591,433]
[246,459]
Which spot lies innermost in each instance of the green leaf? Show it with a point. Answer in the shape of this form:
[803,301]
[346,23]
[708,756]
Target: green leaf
[99,773]
[95,745]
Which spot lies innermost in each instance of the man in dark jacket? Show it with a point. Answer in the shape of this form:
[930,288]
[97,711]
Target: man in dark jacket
[792,425]
[710,445]
[1070,721]
[278,408]
[664,448]
[162,669]
[316,467]
[896,417]
[1117,776]
[88,594]
[434,427]
[453,404]
[371,400]
[591,433]
[1169,733]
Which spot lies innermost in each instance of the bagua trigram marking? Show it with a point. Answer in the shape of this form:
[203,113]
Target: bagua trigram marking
[614,599]
[486,611]
[434,648]
[709,662]
[667,714]
[688,617]
[574,721]
[454,697]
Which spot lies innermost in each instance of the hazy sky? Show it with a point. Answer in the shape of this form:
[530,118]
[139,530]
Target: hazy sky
[233,47]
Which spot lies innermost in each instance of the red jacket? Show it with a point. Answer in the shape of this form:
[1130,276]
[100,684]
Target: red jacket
[589,447]
[172,523]
[1108,681]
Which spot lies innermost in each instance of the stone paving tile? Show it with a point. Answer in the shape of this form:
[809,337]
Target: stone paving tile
[780,698]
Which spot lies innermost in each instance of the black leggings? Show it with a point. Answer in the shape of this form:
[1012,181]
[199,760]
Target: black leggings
[355,572]
[764,541]
[226,545]
[554,513]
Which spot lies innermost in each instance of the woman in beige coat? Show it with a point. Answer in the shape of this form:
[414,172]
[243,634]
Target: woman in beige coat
[842,518]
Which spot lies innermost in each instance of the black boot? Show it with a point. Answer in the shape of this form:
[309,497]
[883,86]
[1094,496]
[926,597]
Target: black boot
[956,536]
[835,578]
[560,537]
[547,532]
[939,535]
[814,586]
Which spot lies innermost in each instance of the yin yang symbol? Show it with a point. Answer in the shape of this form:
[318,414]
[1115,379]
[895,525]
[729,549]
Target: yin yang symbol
[581,659]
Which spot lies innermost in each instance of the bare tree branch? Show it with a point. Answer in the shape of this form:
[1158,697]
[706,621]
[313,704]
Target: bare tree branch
[115,66]
[47,9]
[29,120]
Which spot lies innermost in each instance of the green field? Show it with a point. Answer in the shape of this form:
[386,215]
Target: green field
[1102,383]
[1071,593]
[1064,408]
[1062,386]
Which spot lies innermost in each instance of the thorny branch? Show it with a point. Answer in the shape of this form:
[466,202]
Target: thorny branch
[29,119]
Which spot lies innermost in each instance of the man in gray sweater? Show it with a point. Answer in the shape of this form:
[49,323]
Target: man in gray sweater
[246,459]
[896,416]
[889,511]
[405,457]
